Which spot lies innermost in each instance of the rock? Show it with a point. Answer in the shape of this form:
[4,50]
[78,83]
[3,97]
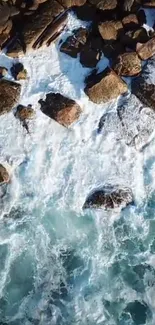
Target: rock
[138,311]
[148,3]
[4,175]
[128,64]
[104,4]
[9,95]
[18,72]
[86,12]
[63,110]
[3,72]
[74,44]
[110,30]
[147,50]
[144,92]
[91,52]
[105,86]
[109,197]
[24,112]
[132,37]
[130,22]
[7,11]
[113,49]
[72,3]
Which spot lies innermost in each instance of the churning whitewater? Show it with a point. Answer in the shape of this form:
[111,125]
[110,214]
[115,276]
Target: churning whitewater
[60,265]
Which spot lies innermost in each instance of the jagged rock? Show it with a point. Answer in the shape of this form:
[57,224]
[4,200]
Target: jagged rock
[18,72]
[9,95]
[72,3]
[130,22]
[144,91]
[24,112]
[148,3]
[3,72]
[110,30]
[4,175]
[109,197]
[74,44]
[63,110]
[104,4]
[128,64]
[147,50]
[105,86]
[6,12]
[132,37]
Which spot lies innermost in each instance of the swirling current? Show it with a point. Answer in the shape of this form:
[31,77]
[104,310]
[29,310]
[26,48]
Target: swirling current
[60,265]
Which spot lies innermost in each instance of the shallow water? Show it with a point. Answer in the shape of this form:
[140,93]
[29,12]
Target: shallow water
[60,265]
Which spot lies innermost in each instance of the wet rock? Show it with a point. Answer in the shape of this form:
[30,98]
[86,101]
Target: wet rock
[24,112]
[138,311]
[109,198]
[113,49]
[105,86]
[74,44]
[145,92]
[9,95]
[147,50]
[110,30]
[127,6]
[91,52]
[18,72]
[104,4]
[148,3]
[72,3]
[36,26]
[132,37]
[130,22]
[63,110]
[3,72]
[4,175]
[128,64]
[86,12]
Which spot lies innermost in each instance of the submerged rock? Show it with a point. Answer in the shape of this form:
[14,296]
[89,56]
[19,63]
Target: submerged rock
[63,110]
[9,95]
[3,72]
[128,64]
[24,112]
[4,175]
[105,86]
[18,72]
[138,311]
[109,198]
[144,92]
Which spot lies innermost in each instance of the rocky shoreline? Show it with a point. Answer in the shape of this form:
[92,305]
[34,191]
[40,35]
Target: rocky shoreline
[116,31]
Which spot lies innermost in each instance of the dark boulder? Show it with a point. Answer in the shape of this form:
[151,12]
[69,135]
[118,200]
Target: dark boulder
[104,4]
[109,197]
[144,92]
[18,72]
[74,44]
[132,37]
[63,110]
[9,95]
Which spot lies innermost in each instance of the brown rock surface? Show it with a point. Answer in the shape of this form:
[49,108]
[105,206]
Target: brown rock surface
[128,64]
[147,50]
[71,3]
[105,86]
[63,110]
[130,21]
[110,30]
[24,112]
[18,71]
[4,175]
[9,95]
[104,4]
[148,3]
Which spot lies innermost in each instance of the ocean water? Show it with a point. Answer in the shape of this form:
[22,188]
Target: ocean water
[60,265]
